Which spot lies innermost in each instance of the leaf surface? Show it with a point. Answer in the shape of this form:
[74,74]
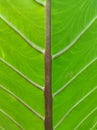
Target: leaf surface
[74,76]
[22,64]
[74,64]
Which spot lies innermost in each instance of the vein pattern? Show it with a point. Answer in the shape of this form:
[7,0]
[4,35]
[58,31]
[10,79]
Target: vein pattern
[22,102]
[75,105]
[13,120]
[21,74]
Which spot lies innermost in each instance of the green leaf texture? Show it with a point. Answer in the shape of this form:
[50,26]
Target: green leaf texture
[74,50]
[22,42]
[74,64]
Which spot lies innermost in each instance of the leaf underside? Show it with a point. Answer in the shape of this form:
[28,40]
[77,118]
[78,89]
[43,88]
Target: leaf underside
[74,76]
[74,64]
[22,64]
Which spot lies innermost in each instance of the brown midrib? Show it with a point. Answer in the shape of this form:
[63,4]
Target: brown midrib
[48,71]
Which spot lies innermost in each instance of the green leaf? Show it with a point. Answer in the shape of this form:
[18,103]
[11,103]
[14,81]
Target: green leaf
[22,64]
[74,50]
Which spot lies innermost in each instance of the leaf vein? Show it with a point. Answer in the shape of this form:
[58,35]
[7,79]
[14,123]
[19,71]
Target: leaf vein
[72,79]
[22,102]
[2,128]
[74,106]
[37,48]
[21,74]
[12,119]
[93,126]
[75,40]
[81,122]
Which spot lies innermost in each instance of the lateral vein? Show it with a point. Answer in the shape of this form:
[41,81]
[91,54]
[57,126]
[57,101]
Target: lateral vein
[72,79]
[12,119]
[85,118]
[74,106]
[2,128]
[93,126]
[41,3]
[37,48]
[21,74]
[75,40]
[22,102]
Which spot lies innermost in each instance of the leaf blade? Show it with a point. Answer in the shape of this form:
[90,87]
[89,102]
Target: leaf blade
[73,50]
[22,63]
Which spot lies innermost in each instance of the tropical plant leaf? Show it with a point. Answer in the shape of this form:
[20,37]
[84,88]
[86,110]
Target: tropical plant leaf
[74,50]
[22,64]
